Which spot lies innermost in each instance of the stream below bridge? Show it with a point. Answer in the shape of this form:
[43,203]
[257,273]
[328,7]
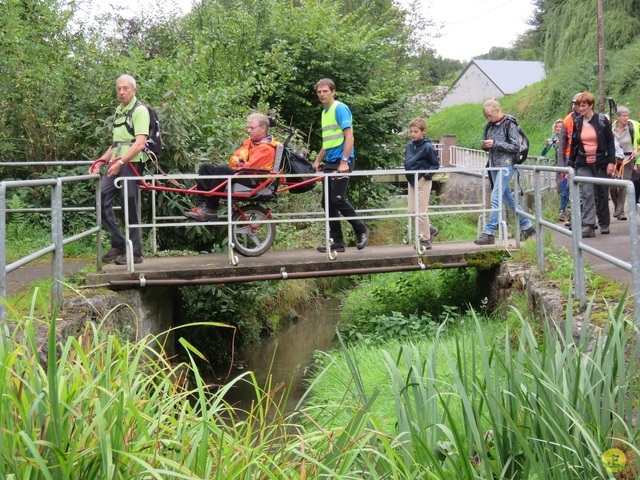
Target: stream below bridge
[288,355]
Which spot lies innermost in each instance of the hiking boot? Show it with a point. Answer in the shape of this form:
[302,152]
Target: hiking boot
[605,230]
[433,231]
[561,216]
[202,213]
[363,240]
[335,247]
[112,254]
[122,259]
[588,232]
[485,239]
[528,233]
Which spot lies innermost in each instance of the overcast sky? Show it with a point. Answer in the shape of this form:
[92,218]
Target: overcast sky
[472,27]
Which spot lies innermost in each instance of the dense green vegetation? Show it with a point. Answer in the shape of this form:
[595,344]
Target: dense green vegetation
[473,403]
[424,390]
[406,305]
[563,35]
[204,72]
[468,402]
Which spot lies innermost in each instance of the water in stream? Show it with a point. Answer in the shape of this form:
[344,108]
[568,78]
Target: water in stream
[288,355]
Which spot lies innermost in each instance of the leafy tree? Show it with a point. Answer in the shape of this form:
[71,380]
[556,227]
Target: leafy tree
[34,71]
[570,28]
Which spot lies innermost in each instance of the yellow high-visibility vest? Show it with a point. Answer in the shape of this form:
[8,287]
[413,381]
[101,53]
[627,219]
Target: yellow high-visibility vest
[332,134]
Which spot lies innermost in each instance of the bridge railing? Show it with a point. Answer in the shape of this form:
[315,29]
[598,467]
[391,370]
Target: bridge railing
[56,210]
[579,248]
[467,157]
[536,177]
[159,222]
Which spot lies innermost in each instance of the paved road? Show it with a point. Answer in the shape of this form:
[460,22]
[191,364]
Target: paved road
[616,244]
[24,276]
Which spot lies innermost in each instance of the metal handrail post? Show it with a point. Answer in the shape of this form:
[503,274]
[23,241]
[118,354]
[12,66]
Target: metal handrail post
[99,224]
[580,292]
[485,175]
[516,204]
[3,255]
[537,202]
[139,193]
[503,235]
[328,240]
[635,255]
[58,241]
[416,210]
[153,234]
[233,258]
[128,253]
[127,234]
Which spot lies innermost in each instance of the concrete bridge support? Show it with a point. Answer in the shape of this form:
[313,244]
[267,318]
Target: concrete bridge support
[133,313]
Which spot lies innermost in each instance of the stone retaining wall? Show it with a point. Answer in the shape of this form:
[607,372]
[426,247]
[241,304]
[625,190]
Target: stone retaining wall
[546,301]
[132,314]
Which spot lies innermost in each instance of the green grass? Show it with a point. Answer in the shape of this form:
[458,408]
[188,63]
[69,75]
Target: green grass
[105,408]
[406,304]
[467,122]
[371,364]
[558,273]
[33,238]
[475,403]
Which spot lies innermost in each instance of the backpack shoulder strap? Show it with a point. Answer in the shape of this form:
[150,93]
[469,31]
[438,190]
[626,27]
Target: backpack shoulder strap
[602,119]
[129,122]
[505,125]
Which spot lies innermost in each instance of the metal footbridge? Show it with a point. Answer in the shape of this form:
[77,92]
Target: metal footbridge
[534,180]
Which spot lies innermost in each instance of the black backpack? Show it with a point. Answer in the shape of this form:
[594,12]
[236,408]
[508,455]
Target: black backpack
[295,162]
[153,144]
[523,140]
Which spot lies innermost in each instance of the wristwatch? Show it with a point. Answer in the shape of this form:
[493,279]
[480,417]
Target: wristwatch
[121,162]
[346,159]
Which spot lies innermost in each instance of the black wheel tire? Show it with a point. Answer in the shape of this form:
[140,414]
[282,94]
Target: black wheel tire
[254,239]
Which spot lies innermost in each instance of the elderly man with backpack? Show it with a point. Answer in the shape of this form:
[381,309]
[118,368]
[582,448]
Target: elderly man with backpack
[502,139]
[126,153]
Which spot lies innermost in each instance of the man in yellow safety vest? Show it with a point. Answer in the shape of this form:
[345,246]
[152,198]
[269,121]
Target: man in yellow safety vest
[339,158]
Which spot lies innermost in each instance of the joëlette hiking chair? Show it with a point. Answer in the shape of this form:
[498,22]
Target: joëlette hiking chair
[252,236]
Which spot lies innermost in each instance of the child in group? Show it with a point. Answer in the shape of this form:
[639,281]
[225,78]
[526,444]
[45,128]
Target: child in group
[419,156]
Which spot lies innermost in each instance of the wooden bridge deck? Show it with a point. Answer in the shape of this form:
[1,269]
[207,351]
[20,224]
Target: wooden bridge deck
[215,268]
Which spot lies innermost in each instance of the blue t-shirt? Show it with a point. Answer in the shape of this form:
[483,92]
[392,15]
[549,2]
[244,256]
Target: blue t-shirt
[343,116]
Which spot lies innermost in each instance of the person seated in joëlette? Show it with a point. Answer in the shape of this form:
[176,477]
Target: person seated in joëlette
[258,151]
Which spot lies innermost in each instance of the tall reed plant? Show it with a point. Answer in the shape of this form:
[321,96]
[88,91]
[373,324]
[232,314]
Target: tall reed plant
[543,408]
[103,408]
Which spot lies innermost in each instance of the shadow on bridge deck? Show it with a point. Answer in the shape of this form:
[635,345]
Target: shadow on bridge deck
[291,264]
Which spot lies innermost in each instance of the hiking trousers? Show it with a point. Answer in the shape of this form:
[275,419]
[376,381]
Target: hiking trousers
[109,221]
[339,205]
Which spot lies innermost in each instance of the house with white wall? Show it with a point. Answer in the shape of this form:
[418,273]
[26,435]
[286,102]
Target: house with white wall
[485,79]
